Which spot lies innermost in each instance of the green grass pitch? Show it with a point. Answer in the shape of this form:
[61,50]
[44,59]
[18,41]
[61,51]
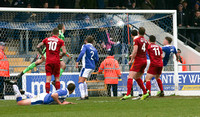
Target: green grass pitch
[108,107]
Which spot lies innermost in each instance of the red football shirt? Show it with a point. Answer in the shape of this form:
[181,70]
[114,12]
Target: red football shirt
[155,54]
[53,45]
[142,44]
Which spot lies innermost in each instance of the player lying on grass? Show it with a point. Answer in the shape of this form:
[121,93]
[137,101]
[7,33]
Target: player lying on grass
[156,65]
[31,95]
[39,61]
[57,97]
[89,58]
[140,62]
[53,55]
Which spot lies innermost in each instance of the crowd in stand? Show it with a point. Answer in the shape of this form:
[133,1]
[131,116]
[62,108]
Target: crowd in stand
[188,16]
[99,4]
[188,13]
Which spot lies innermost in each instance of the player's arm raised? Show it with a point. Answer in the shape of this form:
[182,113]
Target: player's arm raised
[135,49]
[39,48]
[63,51]
[83,50]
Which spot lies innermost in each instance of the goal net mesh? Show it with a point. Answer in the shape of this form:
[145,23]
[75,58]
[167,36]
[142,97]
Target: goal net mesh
[22,31]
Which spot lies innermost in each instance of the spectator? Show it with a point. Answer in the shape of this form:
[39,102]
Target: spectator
[131,4]
[182,16]
[4,68]
[57,6]
[191,3]
[69,4]
[112,72]
[5,3]
[185,7]
[147,5]
[18,3]
[108,43]
[193,11]
[181,61]
[182,20]
[195,34]
[46,5]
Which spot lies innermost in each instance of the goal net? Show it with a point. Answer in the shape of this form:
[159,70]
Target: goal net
[22,29]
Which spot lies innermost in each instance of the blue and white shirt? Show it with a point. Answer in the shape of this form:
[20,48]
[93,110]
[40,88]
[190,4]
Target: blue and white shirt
[89,56]
[168,52]
[62,93]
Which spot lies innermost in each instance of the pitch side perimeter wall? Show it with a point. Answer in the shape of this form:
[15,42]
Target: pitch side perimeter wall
[189,83]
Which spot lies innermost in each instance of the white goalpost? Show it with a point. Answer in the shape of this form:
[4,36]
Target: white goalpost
[24,28]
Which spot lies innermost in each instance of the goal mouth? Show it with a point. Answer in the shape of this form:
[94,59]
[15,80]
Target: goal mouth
[24,28]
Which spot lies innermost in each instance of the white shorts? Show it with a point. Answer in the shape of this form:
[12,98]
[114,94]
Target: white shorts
[147,67]
[86,73]
[39,99]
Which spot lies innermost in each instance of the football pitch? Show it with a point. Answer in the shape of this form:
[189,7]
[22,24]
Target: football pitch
[108,107]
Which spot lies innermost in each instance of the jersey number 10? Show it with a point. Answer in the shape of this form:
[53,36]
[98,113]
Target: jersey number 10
[52,45]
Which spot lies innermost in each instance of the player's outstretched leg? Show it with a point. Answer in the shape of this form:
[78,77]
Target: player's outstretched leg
[30,67]
[28,94]
[18,94]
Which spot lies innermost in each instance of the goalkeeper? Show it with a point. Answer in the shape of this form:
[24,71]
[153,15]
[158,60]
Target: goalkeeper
[39,61]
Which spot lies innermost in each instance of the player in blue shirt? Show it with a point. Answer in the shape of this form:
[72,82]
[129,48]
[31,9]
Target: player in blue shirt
[89,58]
[168,50]
[57,97]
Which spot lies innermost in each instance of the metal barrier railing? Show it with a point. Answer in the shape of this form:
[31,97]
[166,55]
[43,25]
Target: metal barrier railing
[189,65]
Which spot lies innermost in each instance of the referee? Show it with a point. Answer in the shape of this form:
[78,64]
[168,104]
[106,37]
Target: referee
[4,68]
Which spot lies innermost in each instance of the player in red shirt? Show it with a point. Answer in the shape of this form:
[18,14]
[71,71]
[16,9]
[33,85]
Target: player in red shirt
[53,56]
[156,65]
[139,64]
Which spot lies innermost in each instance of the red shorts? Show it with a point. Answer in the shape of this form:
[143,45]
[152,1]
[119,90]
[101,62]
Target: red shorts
[52,69]
[138,66]
[155,70]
